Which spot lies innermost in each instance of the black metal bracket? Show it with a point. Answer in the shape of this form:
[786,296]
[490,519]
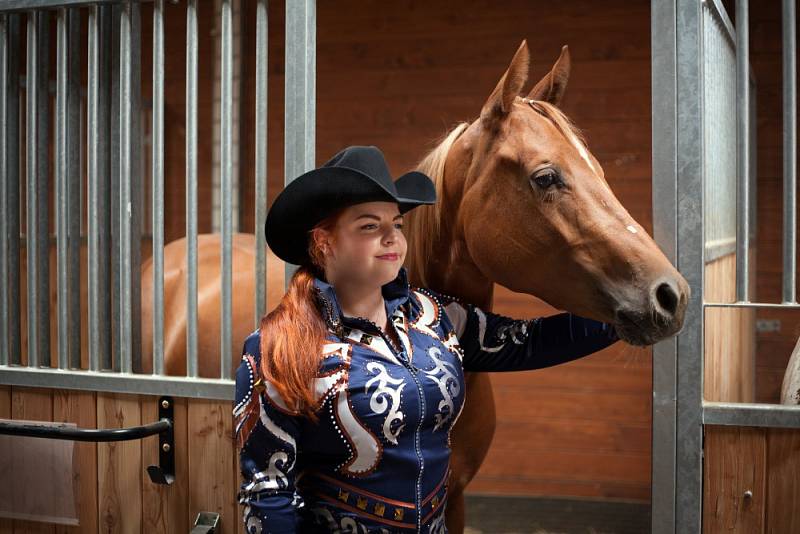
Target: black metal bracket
[164,473]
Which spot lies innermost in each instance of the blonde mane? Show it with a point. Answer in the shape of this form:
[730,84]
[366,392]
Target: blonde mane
[424,222]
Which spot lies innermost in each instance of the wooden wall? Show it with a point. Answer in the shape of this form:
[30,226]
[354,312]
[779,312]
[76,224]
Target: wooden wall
[764,462]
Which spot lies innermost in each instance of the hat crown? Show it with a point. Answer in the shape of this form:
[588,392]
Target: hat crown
[366,159]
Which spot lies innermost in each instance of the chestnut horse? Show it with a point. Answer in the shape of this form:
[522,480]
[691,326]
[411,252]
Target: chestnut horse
[521,202]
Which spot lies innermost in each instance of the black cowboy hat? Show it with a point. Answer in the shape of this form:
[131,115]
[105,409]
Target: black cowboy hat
[354,175]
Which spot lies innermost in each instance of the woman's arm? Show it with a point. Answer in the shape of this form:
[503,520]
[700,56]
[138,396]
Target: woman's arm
[493,342]
[267,440]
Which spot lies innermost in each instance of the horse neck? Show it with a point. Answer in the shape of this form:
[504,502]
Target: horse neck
[449,269]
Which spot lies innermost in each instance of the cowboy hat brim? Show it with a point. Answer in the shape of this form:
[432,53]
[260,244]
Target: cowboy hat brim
[318,193]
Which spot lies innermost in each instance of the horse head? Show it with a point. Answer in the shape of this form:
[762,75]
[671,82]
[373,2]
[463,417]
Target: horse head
[524,203]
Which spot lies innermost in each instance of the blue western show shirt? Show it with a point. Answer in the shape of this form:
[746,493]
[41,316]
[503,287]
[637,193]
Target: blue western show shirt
[378,459]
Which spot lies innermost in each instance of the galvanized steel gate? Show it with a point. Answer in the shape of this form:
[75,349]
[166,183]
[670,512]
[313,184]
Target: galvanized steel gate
[97,134]
[703,105]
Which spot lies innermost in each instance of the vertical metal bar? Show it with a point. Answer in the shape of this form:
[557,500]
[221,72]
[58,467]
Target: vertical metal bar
[61,165]
[42,227]
[125,108]
[261,107]
[691,262]
[742,153]
[31,171]
[789,150]
[68,188]
[74,184]
[226,169]
[191,188]
[94,174]
[113,193]
[136,188]
[12,169]
[158,187]
[106,125]
[4,142]
[300,90]
[665,208]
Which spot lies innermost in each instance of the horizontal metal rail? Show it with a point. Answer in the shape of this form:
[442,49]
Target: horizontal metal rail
[751,414]
[142,384]
[776,305]
[25,5]
[63,431]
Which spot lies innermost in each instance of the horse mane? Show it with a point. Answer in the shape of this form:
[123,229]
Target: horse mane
[562,123]
[424,222]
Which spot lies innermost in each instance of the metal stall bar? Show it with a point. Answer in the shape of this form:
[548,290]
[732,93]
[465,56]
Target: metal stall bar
[126,88]
[68,187]
[751,414]
[11,170]
[226,168]
[4,142]
[261,182]
[688,125]
[191,188]
[664,108]
[301,98]
[158,187]
[31,160]
[742,152]
[789,150]
[95,149]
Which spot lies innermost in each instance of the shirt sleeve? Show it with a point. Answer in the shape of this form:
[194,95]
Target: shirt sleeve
[494,342]
[267,438]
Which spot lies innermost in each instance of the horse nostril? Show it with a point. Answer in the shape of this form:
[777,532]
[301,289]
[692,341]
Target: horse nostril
[667,298]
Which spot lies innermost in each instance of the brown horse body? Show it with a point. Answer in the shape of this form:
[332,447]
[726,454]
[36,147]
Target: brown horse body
[522,202]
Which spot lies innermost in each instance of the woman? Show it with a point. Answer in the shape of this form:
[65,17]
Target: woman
[346,394]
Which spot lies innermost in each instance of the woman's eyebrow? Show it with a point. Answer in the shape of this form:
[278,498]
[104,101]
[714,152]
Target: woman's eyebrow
[371,216]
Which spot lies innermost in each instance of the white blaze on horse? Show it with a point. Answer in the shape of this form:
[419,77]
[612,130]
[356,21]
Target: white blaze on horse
[523,203]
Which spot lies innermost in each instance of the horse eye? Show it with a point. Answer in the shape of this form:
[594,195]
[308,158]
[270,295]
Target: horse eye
[546,178]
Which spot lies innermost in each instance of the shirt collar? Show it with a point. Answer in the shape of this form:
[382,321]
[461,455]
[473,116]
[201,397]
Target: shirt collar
[395,293]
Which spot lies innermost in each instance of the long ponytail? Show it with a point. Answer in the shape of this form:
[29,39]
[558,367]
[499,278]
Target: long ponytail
[293,333]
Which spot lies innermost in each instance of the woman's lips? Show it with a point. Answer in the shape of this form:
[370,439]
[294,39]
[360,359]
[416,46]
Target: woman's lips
[390,257]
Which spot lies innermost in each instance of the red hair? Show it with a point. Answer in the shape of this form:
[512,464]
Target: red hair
[293,333]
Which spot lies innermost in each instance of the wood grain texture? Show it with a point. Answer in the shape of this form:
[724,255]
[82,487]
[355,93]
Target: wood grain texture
[80,407]
[783,481]
[6,525]
[119,466]
[213,477]
[730,337]
[735,463]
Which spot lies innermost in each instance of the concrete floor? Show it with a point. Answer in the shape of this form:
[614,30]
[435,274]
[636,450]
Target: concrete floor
[535,515]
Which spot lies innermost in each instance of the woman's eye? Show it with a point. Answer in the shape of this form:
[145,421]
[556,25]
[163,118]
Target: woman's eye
[546,178]
[368,226]
[399,225]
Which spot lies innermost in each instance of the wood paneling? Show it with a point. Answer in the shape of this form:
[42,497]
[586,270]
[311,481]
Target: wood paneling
[730,345]
[763,461]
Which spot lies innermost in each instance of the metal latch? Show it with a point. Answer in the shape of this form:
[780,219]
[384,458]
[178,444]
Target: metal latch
[206,523]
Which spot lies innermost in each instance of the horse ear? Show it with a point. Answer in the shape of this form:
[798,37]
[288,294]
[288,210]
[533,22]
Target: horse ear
[551,87]
[508,88]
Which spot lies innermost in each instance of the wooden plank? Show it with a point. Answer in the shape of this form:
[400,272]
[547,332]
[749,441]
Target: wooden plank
[6,525]
[735,463]
[503,485]
[783,481]
[34,404]
[212,484]
[80,407]
[166,508]
[119,466]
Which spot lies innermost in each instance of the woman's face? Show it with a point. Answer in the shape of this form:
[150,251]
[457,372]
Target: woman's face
[368,245]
